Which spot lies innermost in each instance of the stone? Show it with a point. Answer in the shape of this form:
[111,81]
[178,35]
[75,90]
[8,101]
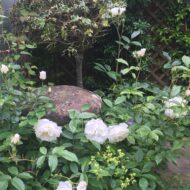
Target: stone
[66,98]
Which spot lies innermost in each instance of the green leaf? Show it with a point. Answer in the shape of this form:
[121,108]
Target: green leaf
[52,162]
[154,136]
[120,60]
[158,158]
[139,155]
[108,103]
[69,156]
[120,100]
[40,161]
[85,107]
[3,184]
[18,183]
[186,61]
[74,167]
[86,115]
[112,75]
[126,39]
[136,43]
[43,150]
[25,175]
[143,183]
[166,55]
[131,139]
[135,34]
[96,145]
[13,170]
[175,90]
[147,167]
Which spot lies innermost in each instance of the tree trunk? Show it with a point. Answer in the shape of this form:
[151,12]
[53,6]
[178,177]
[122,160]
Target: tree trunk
[79,63]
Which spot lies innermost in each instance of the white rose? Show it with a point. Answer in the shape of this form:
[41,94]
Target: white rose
[118,133]
[117,11]
[64,185]
[42,75]
[140,53]
[47,130]
[187,92]
[177,101]
[15,139]
[82,185]
[96,130]
[170,113]
[4,69]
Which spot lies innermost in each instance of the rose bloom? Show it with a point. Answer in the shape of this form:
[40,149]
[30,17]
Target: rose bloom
[4,69]
[96,130]
[43,75]
[47,130]
[117,11]
[187,92]
[118,132]
[15,139]
[82,185]
[64,185]
[177,101]
[140,53]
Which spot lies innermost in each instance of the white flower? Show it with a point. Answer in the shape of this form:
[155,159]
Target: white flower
[42,75]
[96,130]
[64,185]
[140,53]
[15,139]
[173,102]
[47,130]
[82,185]
[117,11]
[118,132]
[170,113]
[4,69]
[187,92]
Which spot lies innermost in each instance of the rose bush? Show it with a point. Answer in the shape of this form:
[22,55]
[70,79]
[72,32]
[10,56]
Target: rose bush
[125,147]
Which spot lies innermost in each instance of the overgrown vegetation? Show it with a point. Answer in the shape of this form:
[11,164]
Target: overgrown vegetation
[124,147]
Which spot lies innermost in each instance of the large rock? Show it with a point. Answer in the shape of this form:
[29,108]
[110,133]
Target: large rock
[71,97]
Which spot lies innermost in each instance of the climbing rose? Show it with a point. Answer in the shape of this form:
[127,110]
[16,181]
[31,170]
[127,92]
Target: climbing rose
[64,185]
[170,103]
[118,132]
[117,11]
[140,53]
[96,130]
[4,69]
[15,139]
[43,75]
[47,130]
[82,185]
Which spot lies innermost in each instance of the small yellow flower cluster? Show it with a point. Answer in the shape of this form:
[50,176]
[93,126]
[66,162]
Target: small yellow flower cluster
[113,162]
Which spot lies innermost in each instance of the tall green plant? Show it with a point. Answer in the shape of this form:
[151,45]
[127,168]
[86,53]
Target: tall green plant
[70,27]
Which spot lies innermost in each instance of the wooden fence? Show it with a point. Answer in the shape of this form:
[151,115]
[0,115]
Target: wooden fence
[155,14]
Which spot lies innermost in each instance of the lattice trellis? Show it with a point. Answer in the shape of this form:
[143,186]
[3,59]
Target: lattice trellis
[155,14]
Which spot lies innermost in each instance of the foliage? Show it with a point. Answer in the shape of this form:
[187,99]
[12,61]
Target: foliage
[31,161]
[176,28]
[72,25]
[69,27]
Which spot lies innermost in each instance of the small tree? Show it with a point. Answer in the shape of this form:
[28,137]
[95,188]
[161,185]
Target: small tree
[72,26]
